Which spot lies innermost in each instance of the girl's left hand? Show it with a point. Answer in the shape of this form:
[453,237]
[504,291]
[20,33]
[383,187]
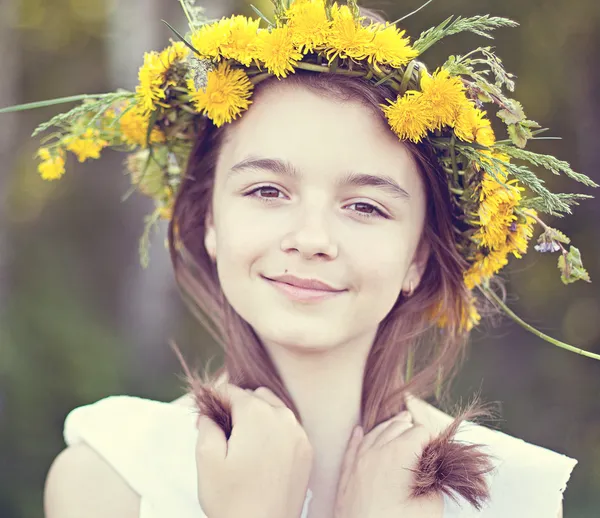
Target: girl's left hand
[375,476]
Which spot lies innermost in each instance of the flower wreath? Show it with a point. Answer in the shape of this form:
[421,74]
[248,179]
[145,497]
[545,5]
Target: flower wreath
[211,72]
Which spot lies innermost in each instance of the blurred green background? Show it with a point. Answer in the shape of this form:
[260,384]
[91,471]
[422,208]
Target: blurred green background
[81,320]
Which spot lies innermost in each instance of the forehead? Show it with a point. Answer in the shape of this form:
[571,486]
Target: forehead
[317,133]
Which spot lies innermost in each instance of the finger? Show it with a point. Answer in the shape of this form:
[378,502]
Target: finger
[392,432]
[269,396]
[412,406]
[211,443]
[371,437]
[349,459]
[238,399]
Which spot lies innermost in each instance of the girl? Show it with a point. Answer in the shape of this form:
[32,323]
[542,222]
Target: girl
[328,235]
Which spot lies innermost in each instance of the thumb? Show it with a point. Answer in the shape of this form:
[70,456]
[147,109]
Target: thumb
[211,444]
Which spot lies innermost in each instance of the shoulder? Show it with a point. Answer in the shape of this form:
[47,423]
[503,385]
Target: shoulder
[81,483]
[521,469]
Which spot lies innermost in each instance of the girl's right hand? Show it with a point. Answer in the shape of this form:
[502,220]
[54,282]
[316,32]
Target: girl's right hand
[263,469]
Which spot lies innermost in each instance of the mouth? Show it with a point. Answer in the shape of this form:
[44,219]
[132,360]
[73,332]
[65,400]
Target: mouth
[302,294]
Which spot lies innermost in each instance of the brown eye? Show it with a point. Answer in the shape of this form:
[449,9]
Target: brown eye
[264,188]
[370,212]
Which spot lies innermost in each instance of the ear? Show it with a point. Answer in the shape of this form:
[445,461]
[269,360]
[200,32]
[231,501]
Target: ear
[417,266]
[210,236]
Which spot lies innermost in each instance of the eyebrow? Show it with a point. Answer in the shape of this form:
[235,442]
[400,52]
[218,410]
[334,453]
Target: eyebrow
[285,168]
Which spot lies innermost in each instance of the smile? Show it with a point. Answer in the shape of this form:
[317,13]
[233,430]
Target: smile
[302,294]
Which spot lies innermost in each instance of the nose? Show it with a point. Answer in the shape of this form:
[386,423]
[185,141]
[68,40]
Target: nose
[311,236]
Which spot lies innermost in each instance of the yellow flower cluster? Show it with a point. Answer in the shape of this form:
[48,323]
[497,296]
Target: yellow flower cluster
[307,30]
[378,44]
[279,50]
[52,166]
[500,233]
[153,76]
[442,101]
[87,145]
[134,128]
[516,239]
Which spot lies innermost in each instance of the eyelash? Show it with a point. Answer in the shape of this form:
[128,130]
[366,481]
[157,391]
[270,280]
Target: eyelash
[380,214]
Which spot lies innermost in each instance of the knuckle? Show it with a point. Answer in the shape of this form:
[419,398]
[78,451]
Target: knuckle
[286,415]
[263,390]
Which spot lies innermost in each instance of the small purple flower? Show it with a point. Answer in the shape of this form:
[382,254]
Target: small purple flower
[513,226]
[551,246]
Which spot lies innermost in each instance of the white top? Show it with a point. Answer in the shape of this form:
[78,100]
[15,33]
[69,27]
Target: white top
[151,444]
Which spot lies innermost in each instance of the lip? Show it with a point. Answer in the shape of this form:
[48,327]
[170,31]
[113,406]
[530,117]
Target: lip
[309,284]
[302,294]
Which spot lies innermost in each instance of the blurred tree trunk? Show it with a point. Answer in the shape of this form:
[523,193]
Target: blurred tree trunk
[9,64]
[135,28]
[144,309]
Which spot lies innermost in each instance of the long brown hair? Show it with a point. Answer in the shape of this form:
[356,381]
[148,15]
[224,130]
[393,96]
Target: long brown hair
[407,330]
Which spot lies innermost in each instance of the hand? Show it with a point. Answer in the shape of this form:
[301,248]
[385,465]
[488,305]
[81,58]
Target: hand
[263,469]
[376,474]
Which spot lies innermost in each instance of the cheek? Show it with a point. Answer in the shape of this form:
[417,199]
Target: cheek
[381,264]
[239,233]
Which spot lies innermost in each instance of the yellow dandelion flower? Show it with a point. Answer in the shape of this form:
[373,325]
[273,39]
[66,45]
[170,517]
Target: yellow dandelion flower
[484,134]
[134,129]
[309,24]
[518,239]
[87,145]
[278,52]
[485,266]
[347,38]
[496,211]
[226,95]
[409,116]
[174,53]
[52,166]
[210,37]
[242,43]
[149,91]
[445,95]
[471,125]
[389,46]
[466,121]
[153,76]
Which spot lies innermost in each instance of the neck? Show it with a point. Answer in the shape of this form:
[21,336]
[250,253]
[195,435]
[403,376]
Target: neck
[326,386]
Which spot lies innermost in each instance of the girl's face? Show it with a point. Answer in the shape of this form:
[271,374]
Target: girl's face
[283,203]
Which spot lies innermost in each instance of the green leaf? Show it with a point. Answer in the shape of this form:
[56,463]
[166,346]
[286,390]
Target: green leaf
[187,44]
[537,202]
[483,97]
[150,221]
[255,9]
[480,25]
[91,106]
[512,114]
[571,267]
[552,234]
[52,102]
[549,203]
[548,162]
[517,135]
